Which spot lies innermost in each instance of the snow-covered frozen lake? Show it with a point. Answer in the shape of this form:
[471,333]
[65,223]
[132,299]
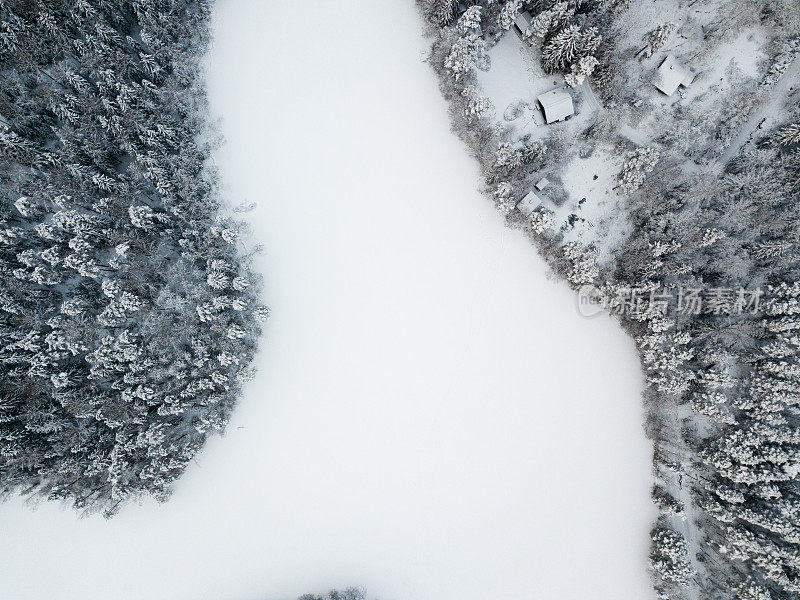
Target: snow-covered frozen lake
[432,419]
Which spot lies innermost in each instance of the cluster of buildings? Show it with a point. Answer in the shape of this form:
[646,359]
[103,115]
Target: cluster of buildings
[556,104]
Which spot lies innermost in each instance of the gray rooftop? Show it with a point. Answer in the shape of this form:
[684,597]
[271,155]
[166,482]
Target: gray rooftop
[529,203]
[670,75]
[557,105]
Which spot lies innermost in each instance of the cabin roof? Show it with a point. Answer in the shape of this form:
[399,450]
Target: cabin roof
[670,75]
[557,105]
[523,20]
[529,203]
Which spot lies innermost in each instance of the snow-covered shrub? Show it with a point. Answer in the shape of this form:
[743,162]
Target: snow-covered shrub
[638,163]
[479,107]
[508,13]
[583,264]
[657,38]
[514,111]
[27,207]
[788,135]
[533,152]
[507,158]
[346,594]
[711,236]
[465,55]
[669,556]
[470,20]
[504,197]
[580,70]
[666,503]
[541,219]
[438,12]
[141,216]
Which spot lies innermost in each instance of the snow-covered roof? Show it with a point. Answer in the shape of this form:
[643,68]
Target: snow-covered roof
[529,203]
[557,105]
[670,75]
[542,183]
[523,21]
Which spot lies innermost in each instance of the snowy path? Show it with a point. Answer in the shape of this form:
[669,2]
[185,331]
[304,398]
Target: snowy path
[635,136]
[777,96]
[591,98]
[431,419]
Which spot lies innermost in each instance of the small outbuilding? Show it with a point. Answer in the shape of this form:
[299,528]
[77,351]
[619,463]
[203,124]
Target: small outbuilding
[529,203]
[542,183]
[522,22]
[557,105]
[670,75]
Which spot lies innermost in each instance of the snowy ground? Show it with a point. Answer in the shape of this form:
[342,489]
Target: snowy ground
[591,184]
[515,76]
[431,419]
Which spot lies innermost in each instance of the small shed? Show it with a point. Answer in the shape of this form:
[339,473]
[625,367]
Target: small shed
[542,183]
[522,22]
[529,203]
[670,75]
[557,105]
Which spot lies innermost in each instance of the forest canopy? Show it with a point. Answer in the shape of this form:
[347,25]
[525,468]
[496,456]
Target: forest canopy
[128,313]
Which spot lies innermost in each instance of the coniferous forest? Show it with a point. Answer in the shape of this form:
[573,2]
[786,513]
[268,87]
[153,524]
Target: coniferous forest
[708,187]
[128,314]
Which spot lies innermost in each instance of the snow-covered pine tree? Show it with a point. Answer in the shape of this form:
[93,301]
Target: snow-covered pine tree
[568,46]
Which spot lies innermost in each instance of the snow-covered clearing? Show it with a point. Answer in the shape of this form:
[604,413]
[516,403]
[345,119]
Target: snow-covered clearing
[515,77]
[431,418]
[590,183]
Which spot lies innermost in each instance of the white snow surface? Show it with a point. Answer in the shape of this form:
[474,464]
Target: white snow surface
[431,419]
